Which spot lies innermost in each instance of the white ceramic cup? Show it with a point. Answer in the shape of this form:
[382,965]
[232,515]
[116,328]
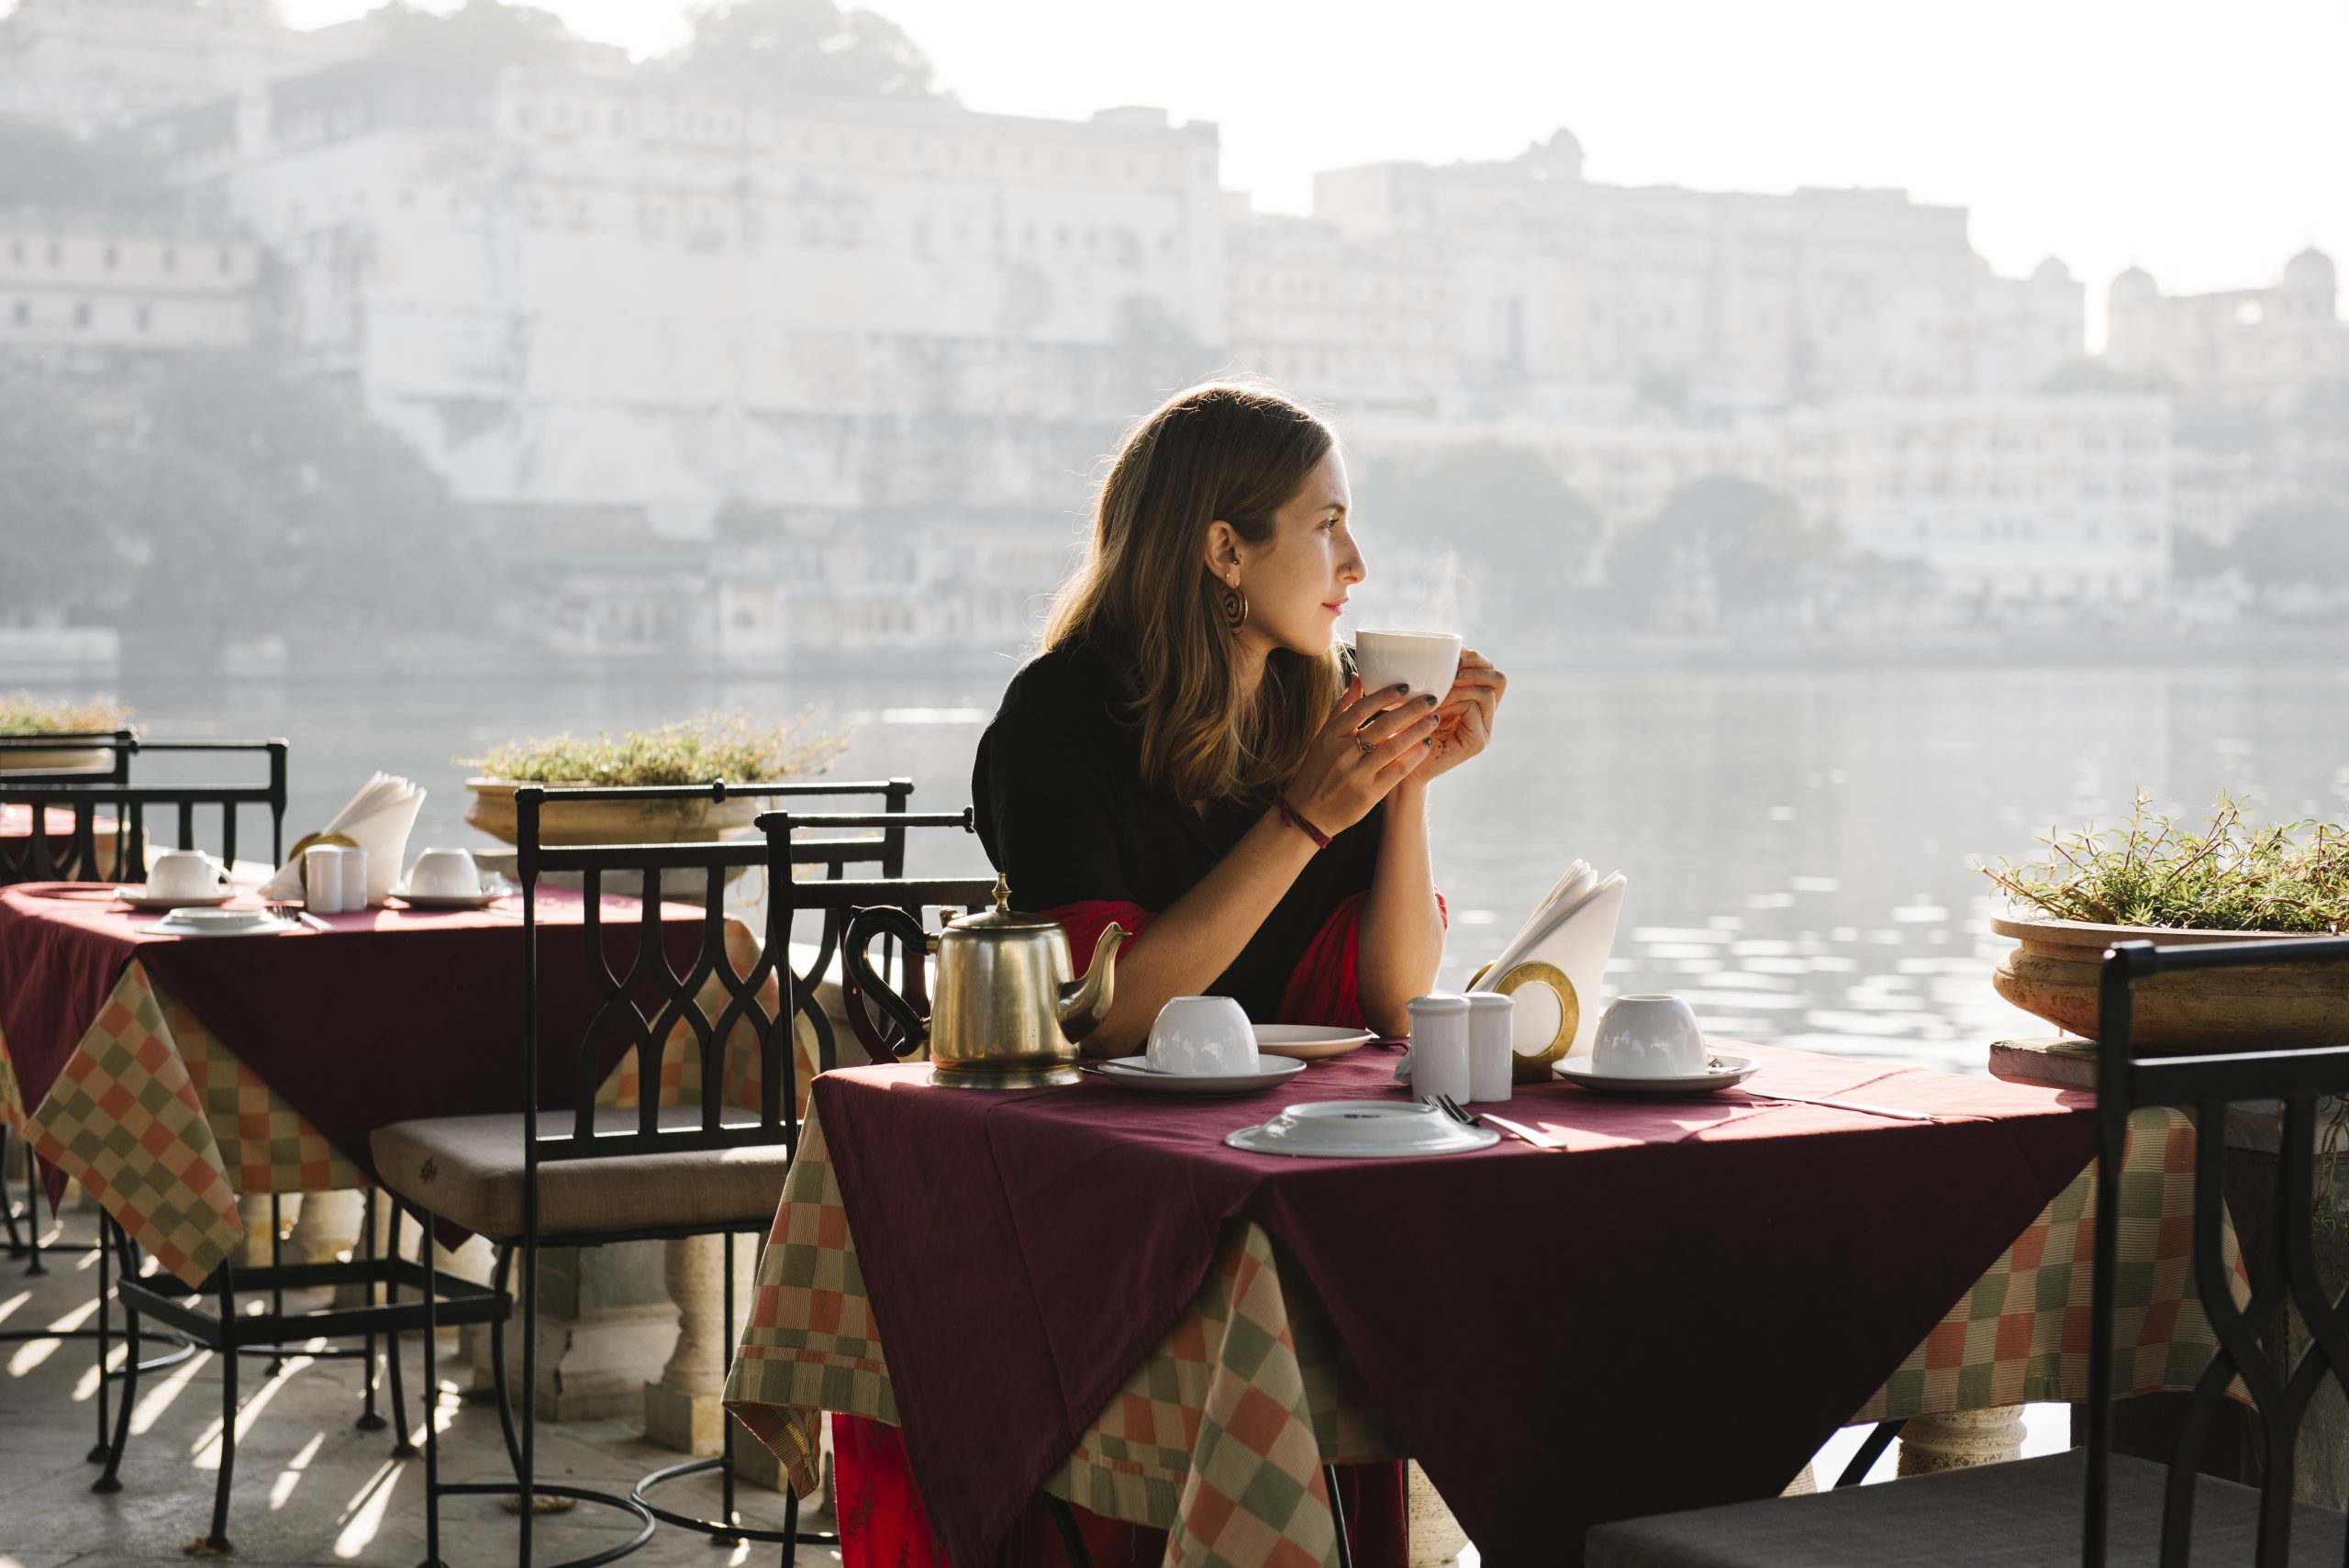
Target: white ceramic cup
[184,873]
[1202,1035]
[1492,1058]
[322,879]
[1424,660]
[1648,1037]
[1440,1046]
[445,873]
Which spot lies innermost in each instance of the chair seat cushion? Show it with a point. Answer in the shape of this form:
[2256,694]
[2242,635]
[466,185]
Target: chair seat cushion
[468,1169]
[2030,1512]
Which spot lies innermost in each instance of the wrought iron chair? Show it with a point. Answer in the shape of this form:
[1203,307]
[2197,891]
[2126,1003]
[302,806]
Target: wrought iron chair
[2091,1505]
[108,824]
[591,1176]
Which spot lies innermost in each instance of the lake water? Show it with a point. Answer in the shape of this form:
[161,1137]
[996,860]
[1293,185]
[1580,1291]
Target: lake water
[1796,841]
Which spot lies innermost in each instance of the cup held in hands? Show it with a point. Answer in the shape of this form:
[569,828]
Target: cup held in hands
[1424,660]
[1648,1037]
[185,873]
[1202,1034]
[445,873]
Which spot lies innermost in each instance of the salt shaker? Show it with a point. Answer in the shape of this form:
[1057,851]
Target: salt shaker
[1440,1046]
[322,879]
[1492,1058]
[354,880]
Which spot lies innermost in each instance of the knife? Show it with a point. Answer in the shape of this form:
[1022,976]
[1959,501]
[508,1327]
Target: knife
[1539,1140]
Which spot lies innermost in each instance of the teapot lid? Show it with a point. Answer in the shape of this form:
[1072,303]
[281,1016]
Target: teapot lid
[1003,917]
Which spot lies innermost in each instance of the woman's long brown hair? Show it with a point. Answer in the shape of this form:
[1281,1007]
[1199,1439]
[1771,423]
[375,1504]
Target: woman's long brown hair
[1143,595]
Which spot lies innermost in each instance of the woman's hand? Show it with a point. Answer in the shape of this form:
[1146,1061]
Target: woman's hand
[1370,745]
[1464,718]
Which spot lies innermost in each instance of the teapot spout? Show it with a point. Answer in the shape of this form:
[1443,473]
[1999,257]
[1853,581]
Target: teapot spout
[1083,1004]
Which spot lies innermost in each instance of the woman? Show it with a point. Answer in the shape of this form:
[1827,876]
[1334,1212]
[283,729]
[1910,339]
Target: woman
[1191,757]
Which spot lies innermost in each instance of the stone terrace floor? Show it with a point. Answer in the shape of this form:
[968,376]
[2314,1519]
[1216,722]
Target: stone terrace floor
[310,1489]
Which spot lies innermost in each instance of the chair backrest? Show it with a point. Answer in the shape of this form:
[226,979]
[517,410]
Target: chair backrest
[99,833]
[2299,1077]
[834,898]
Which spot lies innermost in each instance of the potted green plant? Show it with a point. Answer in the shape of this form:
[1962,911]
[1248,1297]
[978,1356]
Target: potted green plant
[730,746]
[21,714]
[2231,882]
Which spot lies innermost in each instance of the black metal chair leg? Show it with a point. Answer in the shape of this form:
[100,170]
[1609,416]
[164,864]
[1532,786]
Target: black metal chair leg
[7,1203]
[403,1445]
[500,1273]
[369,1421]
[1337,1515]
[1072,1538]
[100,1454]
[218,1539]
[528,1474]
[276,1261]
[431,1397]
[725,1513]
[32,1209]
[111,1481]
[1871,1450]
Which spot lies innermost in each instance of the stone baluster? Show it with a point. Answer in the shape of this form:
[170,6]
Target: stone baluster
[1960,1440]
[326,1226]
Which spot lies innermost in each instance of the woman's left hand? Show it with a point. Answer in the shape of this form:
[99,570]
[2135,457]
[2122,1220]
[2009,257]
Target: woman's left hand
[1464,718]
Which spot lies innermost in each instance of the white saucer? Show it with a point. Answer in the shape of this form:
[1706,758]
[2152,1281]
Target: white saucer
[446,900]
[1726,1071]
[1362,1129]
[198,921]
[1132,1073]
[137,897]
[1309,1042]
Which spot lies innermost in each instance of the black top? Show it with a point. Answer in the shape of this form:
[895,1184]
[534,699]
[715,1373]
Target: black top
[1064,816]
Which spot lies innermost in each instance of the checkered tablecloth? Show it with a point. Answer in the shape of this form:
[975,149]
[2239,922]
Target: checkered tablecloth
[161,1123]
[1218,1435]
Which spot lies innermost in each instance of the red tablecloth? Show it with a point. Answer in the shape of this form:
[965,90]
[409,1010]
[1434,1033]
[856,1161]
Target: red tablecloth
[393,1013]
[1022,1251]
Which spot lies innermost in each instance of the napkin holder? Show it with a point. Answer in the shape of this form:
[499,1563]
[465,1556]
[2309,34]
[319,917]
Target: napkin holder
[1534,1067]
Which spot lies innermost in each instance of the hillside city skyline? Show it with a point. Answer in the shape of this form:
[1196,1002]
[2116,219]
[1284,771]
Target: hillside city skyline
[2024,110]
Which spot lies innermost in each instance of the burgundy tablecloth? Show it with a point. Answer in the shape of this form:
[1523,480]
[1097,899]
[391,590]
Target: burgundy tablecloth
[392,1015]
[1677,1310]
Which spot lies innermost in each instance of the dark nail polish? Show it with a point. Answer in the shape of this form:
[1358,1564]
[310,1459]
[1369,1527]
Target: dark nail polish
[1431,699]
[1403,689]
[1429,742]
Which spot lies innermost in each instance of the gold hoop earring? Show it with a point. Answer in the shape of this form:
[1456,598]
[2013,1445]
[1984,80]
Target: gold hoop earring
[1235,609]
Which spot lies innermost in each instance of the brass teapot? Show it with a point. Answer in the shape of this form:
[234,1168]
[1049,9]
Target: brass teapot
[1009,1011]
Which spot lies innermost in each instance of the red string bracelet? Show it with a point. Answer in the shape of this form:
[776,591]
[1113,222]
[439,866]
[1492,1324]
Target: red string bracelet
[1289,816]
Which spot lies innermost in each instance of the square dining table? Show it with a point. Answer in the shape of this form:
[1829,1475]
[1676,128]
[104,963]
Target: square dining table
[1086,1290]
[171,1074]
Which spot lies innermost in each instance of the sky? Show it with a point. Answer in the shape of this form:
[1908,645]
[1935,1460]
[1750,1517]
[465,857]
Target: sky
[2207,144]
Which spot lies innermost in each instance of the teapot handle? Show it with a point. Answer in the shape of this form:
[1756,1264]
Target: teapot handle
[860,982]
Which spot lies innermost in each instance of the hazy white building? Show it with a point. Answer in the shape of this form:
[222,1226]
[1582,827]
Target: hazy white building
[2260,346]
[71,285]
[85,65]
[1362,325]
[623,287]
[2063,499]
[1735,299]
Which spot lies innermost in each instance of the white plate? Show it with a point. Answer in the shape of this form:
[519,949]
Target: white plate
[1362,1129]
[1309,1042]
[446,900]
[137,897]
[201,922]
[1726,1071]
[1131,1072]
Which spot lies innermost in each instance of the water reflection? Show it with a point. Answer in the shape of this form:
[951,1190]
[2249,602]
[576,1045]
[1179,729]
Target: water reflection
[1795,840]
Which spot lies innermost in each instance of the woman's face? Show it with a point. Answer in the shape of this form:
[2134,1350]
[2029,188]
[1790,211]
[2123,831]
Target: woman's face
[1297,579]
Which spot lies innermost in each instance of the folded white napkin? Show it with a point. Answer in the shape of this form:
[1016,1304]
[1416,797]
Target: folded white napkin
[378,819]
[1573,929]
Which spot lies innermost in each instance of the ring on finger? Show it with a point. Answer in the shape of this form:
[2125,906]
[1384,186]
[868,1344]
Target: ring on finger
[1363,744]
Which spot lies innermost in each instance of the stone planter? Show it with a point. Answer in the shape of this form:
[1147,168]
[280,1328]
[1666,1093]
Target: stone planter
[612,821]
[57,760]
[2054,973]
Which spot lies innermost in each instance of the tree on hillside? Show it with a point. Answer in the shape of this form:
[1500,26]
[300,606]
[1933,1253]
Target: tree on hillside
[475,41]
[1523,534]
[812,45]
[1729,537]
[2296,543]
[43,167]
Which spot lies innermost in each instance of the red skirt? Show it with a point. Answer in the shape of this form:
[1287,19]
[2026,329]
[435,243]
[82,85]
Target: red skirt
[882,1524]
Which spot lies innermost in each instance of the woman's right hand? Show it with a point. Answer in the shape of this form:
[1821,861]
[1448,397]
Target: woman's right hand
[1370,745]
